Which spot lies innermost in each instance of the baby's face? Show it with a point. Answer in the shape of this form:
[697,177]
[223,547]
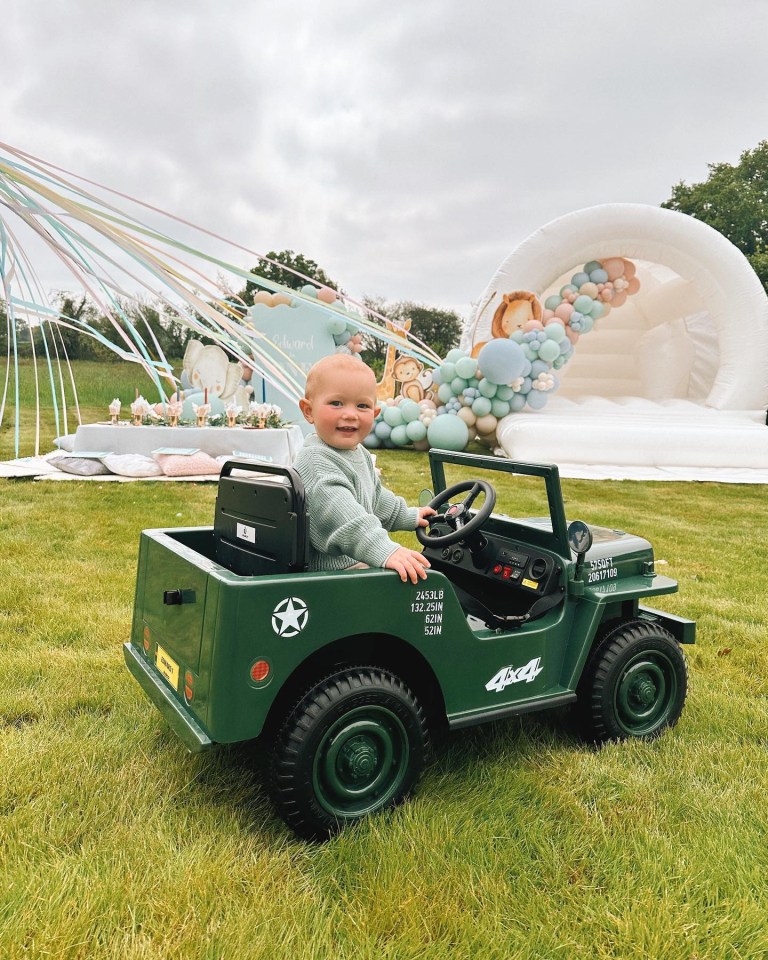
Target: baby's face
[342,407]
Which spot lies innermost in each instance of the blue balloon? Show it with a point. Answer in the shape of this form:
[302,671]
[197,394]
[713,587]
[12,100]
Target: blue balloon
[583,304]
[499,408]
[392,416]
[517,402]
[466,367]
[444,392]
[447,372]
[336,325]
[598,275]
[501,360]
[487,389]
[448,433]
[458,385]
[481,407]
[537,367]
[579,278]
[549,350]
[372,441]
[410,410]
[453,355]
[551,302]
[437,377]
[416,430]
[555,331]
[505,393]
[399,436]
[598,309]
[382,430]
[537,399]
[594,265]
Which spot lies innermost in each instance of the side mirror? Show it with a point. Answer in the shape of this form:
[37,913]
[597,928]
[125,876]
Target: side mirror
[425,498]
[579,540]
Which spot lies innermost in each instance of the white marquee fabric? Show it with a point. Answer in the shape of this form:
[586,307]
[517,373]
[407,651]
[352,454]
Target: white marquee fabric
[674,380]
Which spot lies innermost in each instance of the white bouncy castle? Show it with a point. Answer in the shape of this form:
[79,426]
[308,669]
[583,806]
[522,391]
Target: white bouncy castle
[674,384]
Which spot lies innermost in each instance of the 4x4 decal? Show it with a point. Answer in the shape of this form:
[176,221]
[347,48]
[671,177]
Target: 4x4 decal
[508,675]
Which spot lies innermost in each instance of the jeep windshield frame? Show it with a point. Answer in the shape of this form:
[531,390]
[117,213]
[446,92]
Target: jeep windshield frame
[531,530]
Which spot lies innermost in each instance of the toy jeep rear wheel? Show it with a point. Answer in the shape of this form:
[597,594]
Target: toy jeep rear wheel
[634,685]
[354,744]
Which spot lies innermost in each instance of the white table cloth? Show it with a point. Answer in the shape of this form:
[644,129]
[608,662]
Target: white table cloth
[269,446]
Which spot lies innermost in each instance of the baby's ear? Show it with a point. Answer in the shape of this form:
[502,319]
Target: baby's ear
[376,412]
[306,408]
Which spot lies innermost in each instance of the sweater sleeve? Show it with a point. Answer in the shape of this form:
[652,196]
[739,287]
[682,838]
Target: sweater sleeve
[340,526]
[393,511]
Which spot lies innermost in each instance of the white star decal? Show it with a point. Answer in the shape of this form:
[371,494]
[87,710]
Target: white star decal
[290,617]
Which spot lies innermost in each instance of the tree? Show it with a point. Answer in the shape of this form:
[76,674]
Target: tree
[278,274]
[438,329]
[733,200]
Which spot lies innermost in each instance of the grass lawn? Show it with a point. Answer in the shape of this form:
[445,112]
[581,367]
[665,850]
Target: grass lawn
[521,841]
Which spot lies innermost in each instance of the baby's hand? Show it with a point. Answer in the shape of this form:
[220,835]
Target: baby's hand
[409,564]
[425,512]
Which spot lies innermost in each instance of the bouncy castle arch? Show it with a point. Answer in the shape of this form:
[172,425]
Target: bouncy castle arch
[704,274]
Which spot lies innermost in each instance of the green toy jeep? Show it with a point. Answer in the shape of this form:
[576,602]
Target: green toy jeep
[345,675]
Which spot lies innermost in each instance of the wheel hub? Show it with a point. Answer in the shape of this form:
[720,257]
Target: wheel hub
[643,692]
[358,758]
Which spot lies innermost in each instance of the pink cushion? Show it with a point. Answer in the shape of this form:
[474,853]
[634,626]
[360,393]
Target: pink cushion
[194,465]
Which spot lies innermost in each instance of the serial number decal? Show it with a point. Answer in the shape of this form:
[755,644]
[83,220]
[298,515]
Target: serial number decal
[602,569]
[508,675]
[429,605]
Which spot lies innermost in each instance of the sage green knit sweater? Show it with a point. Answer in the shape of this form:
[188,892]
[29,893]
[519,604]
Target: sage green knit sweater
[349,508]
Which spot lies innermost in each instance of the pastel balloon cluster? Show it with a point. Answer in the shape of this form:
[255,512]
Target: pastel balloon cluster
[402,422]
[346,336]
[470,396]
[592,292]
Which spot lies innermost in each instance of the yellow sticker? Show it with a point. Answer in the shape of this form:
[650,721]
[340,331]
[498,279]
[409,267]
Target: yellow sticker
[168,667]
[533,584]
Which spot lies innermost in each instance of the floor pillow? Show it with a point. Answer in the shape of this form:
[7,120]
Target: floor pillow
[81,466]
[132,465]
[192,465]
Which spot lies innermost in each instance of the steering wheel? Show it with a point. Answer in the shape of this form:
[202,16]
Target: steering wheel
[456,515]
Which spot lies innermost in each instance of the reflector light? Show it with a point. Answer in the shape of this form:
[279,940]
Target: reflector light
[188,685]
[146,639]
[259,671]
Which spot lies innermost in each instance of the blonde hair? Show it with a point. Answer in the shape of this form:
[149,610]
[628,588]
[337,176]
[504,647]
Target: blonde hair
[335,363]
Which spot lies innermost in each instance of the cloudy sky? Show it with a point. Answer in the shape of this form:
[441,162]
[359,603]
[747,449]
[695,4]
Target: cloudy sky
[406,147]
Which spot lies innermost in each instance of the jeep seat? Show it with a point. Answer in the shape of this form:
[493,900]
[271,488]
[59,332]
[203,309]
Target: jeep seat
[260,522]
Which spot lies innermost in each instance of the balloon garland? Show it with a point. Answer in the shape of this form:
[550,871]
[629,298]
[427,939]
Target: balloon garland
[469,394]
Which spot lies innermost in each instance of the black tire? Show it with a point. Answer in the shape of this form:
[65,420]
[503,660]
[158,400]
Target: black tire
[634,685]
[356,743]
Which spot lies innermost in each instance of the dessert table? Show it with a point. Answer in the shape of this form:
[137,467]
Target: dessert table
[278,446]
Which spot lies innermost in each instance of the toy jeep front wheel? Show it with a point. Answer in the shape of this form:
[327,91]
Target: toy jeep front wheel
[354,744]
[634,685]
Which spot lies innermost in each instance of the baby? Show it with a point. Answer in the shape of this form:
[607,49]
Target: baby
[349,508]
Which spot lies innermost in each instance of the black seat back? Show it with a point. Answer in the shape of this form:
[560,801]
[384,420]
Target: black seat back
[260,524]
